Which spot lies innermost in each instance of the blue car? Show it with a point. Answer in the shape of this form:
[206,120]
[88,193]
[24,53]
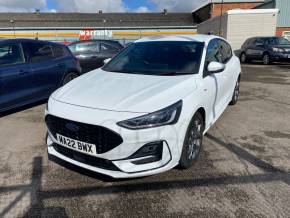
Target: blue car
[30,70]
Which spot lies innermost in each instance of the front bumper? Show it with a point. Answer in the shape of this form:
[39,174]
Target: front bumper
[276,56]
[133,140]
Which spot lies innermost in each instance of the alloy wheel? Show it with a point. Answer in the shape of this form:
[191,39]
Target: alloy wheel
[266,59]
[195,139]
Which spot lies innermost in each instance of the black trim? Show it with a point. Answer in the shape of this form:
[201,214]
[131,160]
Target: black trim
[103,138]
[85,159]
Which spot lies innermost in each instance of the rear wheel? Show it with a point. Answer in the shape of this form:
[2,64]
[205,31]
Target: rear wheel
[193,142]
[69,77]
[266,59]
[236,93]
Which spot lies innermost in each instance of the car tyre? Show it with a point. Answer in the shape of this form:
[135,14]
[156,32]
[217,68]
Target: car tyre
[243,58]
[192,142]
[236,93]
[266,59]
[69,77]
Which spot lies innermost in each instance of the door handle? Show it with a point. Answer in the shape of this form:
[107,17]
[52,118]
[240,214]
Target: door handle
[22,72]
[59,65]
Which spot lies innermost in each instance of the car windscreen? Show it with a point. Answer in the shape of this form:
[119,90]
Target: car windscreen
[277,41]
[84,47]
[158,58]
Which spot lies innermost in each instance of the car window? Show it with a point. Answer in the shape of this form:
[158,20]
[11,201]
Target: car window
[10,54]
[248,42]
[106,47]
[225,51]
[158,58]
[259,41]
[57,51]
[84,47]
[277,41]
[213,52]
[37,52]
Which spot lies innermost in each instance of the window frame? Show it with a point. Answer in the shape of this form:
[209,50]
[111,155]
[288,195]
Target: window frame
[21,54]
[107,44]
[28,44]
[206,63]
[230,49]
[53,47]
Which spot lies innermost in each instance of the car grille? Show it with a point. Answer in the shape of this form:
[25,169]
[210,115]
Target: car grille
[86,159]
[103,138]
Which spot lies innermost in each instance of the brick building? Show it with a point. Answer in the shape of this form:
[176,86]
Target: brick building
[214,8]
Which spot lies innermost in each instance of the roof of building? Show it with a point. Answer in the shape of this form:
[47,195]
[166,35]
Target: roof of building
[77,20]
[227,1]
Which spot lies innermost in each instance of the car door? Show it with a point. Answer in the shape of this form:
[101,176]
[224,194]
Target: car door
[256,48]
[46,70]
[220,80]
[60,60]
[228,75]
[16,76]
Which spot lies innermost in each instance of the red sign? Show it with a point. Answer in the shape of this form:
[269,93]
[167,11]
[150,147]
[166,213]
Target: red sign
[86,34]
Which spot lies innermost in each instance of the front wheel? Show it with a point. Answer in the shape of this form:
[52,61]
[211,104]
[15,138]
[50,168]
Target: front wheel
[266,59]
[193,142]
[69,77]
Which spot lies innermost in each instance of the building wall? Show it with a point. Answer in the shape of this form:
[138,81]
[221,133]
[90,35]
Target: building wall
[216,8]
[124,35]
[236,28]
[284,15]
[213,25]
[243,26]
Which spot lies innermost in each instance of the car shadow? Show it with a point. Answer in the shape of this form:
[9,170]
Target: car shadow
[22,108]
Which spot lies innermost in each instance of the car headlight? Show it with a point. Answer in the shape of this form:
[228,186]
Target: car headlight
[278,49]
[166,116]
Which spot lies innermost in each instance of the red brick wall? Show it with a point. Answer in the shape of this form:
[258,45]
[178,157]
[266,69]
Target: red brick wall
[280,30]
[216,8]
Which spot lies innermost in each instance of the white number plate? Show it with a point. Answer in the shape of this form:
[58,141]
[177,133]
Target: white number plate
[76,145]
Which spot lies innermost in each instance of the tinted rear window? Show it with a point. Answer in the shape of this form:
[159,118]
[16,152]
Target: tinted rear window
[10,54]
[84,47]
[58,51]
[37,52]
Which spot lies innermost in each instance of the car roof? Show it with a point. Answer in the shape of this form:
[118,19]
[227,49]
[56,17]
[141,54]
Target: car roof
[196,38]
[20,40]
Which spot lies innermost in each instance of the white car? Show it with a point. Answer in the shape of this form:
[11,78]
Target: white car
[147,109]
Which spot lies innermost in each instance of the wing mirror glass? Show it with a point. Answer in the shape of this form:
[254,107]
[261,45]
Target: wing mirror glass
[107,60]
[215,67]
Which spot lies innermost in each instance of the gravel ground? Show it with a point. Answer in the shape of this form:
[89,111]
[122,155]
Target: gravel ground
[243,170]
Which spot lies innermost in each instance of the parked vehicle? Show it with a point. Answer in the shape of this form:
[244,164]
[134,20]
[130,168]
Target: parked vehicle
[267,49]
[146,110]
[30,70]
[92,53]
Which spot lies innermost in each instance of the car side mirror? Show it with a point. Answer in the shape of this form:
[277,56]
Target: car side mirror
[215,67]
[259,45]
[107,60]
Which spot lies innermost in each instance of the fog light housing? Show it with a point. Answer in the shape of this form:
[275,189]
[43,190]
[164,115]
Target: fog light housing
[151,152]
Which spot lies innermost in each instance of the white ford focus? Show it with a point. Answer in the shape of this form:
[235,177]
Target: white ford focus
[147,109]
